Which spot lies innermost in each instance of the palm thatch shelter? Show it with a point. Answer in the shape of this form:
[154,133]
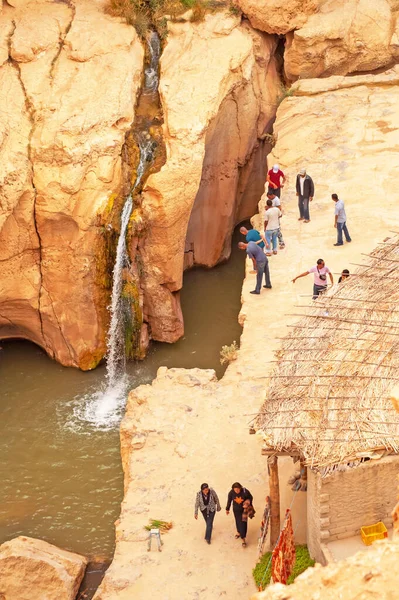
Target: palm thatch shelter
[328,400]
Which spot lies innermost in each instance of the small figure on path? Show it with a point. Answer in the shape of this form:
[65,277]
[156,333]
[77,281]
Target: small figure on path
[208,503]
[276,180]
[320,277]
[305,193]
[340,221]
[344,275]
[277,202]
[261,264]
[272,225]
[241,499]
[253,235]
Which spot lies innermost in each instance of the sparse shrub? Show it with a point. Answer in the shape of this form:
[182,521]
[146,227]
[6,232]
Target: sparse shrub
[234,9]
[285,92]
[270,138]
[228,353]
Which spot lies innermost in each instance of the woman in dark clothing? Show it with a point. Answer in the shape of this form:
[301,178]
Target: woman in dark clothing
[237,496]
[208,503]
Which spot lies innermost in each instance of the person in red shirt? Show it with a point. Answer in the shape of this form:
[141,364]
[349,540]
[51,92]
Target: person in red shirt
[276,180]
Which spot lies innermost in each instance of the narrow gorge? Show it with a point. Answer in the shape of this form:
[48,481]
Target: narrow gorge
[128,156]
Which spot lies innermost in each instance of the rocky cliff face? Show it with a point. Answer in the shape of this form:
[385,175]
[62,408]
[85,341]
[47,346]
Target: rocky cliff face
[70,78]
[69,81]
[330,37]
[68,85]
[218,89]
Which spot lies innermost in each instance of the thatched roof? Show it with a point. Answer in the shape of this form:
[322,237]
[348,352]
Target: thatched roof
[328,396]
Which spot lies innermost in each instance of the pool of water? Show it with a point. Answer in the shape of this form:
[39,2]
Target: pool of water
[61,477]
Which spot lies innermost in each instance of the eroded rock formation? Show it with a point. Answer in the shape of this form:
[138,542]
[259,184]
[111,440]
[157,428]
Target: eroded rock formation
[35,570]
[218,88]
[330,37]
[68,85]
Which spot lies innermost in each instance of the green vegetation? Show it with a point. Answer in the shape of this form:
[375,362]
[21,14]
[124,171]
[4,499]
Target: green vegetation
[163,526]
[228,353]
[262,571]
[144,14]
[132,317]
[286,92]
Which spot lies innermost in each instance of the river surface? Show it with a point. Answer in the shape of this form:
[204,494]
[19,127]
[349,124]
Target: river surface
[61,477]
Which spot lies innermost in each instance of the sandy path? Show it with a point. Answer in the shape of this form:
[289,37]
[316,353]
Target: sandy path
[196,429]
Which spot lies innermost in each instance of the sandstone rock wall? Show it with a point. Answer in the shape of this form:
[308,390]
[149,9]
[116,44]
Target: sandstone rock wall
[218,89]
[330,37]
[69,80]
[35,570]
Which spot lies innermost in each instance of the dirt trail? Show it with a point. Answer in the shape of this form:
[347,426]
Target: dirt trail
[188,428]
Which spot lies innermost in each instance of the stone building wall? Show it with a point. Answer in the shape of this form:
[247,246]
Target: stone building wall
[339,505]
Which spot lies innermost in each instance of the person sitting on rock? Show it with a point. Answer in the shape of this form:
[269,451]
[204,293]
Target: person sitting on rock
[277,202]
[276,180]
[261,264]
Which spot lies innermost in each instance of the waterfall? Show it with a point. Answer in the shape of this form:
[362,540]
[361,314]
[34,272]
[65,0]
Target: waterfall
[103,408]
[116,334]
[151,70]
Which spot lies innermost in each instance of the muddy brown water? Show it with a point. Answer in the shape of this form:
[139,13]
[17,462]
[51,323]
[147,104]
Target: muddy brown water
[61,478]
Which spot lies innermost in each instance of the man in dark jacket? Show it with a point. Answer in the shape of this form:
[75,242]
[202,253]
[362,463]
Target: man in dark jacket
[305,193]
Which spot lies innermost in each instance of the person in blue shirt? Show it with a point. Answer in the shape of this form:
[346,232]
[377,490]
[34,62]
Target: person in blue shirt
[253,235]
[261,264]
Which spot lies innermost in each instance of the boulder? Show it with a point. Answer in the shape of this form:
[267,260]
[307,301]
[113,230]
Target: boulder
[342,37]
[278,16]
[31,569]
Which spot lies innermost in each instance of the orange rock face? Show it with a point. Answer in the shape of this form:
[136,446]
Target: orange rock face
[68,85]
[218,88]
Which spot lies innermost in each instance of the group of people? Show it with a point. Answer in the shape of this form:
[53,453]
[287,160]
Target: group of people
[207,502]
[259,246]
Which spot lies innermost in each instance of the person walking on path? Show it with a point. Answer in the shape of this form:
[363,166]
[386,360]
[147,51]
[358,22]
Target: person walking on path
[261,264]
[208,503]
[277,202]
[272,225]
[238,496]
[340,221]
[320,277]
[276,180]
[305,193]
[253,235]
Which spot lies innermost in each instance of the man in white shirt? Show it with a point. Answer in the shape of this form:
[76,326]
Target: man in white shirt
[340,221]
[272,225]
[277,202]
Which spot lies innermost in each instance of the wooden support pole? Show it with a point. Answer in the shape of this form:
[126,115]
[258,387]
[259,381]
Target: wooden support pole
[274,487]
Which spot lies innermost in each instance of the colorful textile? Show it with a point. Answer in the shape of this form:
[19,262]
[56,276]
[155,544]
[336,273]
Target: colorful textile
[283,557]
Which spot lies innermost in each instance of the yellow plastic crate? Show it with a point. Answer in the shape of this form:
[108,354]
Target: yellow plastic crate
[371,533]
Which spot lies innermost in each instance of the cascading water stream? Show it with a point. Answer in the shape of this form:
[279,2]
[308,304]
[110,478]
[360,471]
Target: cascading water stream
[103,410]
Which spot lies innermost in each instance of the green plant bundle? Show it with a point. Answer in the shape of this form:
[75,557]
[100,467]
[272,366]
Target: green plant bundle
[262,571]
[163,526]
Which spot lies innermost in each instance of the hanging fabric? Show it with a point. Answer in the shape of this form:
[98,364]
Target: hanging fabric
[283,557]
